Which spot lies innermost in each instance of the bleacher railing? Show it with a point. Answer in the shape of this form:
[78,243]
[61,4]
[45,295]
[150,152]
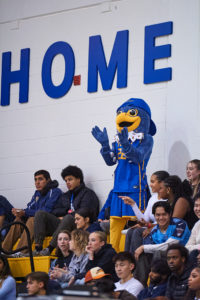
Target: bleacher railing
[29,246]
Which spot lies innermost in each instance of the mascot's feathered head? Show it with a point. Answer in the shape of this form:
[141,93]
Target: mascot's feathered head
[135,114]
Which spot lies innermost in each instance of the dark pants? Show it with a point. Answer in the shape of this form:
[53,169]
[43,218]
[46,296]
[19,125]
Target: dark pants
[143,268]
[134,239]
[47,224]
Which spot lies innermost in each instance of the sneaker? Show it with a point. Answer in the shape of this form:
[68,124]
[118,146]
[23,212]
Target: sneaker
[44,252]
[17,254]
[124,231]
[36,253]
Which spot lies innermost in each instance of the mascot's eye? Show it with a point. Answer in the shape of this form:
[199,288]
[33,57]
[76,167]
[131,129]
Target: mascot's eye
[119,112]
[133,112]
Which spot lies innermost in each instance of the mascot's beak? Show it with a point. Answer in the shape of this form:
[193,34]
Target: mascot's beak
[124,119]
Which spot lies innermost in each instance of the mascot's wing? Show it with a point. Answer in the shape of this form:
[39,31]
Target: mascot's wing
[143,151]
[108,155]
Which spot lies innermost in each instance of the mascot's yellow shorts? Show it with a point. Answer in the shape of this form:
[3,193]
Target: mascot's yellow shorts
[116,226]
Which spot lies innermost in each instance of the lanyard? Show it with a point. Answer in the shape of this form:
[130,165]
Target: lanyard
[71,202]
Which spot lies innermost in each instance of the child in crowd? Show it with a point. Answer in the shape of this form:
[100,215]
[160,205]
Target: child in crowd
[84,220]
[37,283]
[7,282]
[76,270]
[124,266]
[62,252]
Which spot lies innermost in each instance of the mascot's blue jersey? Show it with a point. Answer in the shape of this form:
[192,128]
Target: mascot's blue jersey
[130,179]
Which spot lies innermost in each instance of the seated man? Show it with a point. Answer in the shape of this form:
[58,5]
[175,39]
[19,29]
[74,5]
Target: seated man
[62,217]
[158,280]
[124,266]
[37,283]
[6,215]
[167,231]
[177,259]
[44,198]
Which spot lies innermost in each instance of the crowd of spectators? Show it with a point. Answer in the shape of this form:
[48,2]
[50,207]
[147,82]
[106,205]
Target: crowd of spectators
[161,258]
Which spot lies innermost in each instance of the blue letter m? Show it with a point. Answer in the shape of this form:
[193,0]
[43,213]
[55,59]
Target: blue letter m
[118,61]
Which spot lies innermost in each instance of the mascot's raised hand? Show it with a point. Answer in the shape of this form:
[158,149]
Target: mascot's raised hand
[100,136]
[123,138]
[131,149]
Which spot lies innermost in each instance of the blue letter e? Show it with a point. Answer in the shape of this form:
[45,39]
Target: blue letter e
[152,52]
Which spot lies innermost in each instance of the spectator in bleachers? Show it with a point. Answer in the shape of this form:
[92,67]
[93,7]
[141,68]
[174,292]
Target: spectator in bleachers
[158,280]
[44,198]
[146,219]
[167,231]
[102,283]
[7,282]
[194,285]
[179,194]
[62,217]
[124,266]
[94,274]
[77,266]
[6,215]
[194,240]
[37,283]
[63,252]
[106,287]
[100,253]
[193,175]
[177,259]
[84,220]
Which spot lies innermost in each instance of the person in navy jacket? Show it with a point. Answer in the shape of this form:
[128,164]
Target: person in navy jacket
[44,198]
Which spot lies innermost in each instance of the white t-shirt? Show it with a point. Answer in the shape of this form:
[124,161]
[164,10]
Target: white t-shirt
[133,286]
[147,215]
[194,240]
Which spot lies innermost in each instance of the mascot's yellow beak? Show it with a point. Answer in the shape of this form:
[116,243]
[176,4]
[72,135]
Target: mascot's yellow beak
[129,119]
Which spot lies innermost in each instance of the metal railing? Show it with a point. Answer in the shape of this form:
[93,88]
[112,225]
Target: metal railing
[29,246]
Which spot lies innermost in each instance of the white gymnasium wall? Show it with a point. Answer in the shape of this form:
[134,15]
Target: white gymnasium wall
[52,133]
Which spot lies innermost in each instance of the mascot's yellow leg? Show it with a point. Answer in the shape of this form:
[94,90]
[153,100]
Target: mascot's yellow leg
[116,226]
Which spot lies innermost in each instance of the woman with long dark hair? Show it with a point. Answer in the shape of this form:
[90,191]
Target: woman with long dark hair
[84,220]
[62,252]
[179,196]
